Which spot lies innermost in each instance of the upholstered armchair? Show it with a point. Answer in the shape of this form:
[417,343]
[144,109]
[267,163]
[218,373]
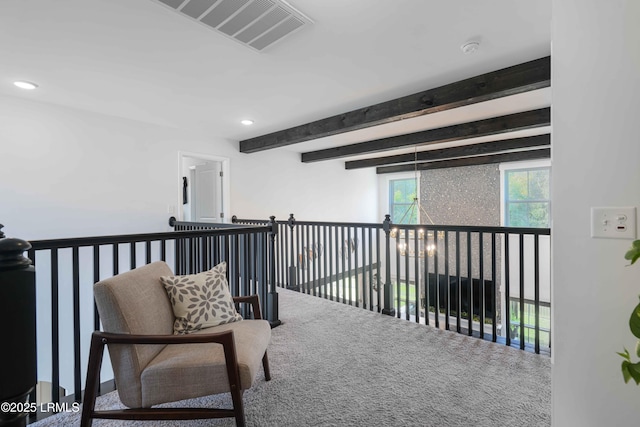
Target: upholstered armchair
[154,361]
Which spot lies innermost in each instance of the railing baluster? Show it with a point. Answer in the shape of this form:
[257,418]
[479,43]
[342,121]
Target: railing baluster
[96,278]
[317,290]
[416,281]
[396,304]
[348,266]
[177,261]
[148,252]
[300,260]
[337,276]
[254,248]
[307,258]
[353,267]
[292,276]
[343,244]
[280,256]
[458,285]
[327,272]
[330,260]
[236,267]
[193,255]
[116,256]
[370,269]
[132,255]
[427,281]
[536,290]
[407,284]
[494,275]
[469,286]
[360,267]
[481,304]
[379,279]
[507,291]
[437,275]
[55,328]
[522,332]
[447,281]
[77,380]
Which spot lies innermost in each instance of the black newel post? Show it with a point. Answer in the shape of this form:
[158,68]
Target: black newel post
[388,286]
[273,295]
[293,271]
[18,337]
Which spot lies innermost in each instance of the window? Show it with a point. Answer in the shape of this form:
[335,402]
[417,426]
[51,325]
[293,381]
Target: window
[403,204]
[526,197]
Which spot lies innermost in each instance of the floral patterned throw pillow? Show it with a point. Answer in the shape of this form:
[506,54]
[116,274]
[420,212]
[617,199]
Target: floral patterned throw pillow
[200,300]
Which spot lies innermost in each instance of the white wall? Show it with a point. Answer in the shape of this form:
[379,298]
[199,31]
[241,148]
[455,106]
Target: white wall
[596,162]
[68,173]
[65,173]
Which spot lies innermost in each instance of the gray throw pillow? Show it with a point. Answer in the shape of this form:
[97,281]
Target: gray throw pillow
[200,300]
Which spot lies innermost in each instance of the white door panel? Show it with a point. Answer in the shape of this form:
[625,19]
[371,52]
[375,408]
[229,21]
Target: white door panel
[206,193]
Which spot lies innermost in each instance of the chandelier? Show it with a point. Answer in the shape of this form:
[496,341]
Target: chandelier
[427,243]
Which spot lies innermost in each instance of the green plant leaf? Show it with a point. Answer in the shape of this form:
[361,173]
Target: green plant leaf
[634,253]
[634,371]
[625,355]
[634,321]
[625,371]
[638,348]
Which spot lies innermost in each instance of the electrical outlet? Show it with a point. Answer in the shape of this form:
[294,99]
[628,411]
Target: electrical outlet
[613,223]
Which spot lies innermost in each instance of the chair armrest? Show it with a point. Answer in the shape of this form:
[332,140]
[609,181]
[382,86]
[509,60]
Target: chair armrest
[255,304]
[223,338]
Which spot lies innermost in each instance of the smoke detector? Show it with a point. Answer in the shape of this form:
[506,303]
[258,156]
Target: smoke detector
[256,24]
[470,47]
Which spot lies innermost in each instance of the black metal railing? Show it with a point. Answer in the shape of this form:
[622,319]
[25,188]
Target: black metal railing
[489,282]
[66,270]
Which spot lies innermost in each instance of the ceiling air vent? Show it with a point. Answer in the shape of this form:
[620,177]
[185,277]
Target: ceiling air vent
[254,23]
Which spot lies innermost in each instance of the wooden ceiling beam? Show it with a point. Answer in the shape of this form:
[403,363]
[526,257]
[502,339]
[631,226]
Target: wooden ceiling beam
[543,153]
[493,126]
[520,78]
[491,147]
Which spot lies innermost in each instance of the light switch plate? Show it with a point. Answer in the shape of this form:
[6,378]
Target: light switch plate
[613,222]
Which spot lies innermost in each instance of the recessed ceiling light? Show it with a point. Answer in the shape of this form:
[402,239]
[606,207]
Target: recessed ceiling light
[246,122]
[25,85]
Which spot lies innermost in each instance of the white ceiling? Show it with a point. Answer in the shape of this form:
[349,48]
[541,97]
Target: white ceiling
[140,60]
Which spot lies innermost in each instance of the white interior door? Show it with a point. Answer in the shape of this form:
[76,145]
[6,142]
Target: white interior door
[206,201]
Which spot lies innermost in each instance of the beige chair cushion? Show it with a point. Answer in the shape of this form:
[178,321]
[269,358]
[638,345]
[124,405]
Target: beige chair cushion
[134,302]
[186,371]
[201,300]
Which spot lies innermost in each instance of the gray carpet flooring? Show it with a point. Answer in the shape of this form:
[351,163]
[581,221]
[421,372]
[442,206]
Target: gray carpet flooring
[336,365]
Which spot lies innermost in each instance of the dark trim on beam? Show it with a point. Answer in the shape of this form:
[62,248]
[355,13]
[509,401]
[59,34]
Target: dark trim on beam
[454,152]
[544,153]
[494,126]
[519,78]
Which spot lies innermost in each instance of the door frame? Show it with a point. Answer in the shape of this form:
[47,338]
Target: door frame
[226,193]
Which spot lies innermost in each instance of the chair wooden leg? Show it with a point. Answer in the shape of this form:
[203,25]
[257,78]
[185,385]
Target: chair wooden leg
[238,407]
[96,353]
[265,366]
